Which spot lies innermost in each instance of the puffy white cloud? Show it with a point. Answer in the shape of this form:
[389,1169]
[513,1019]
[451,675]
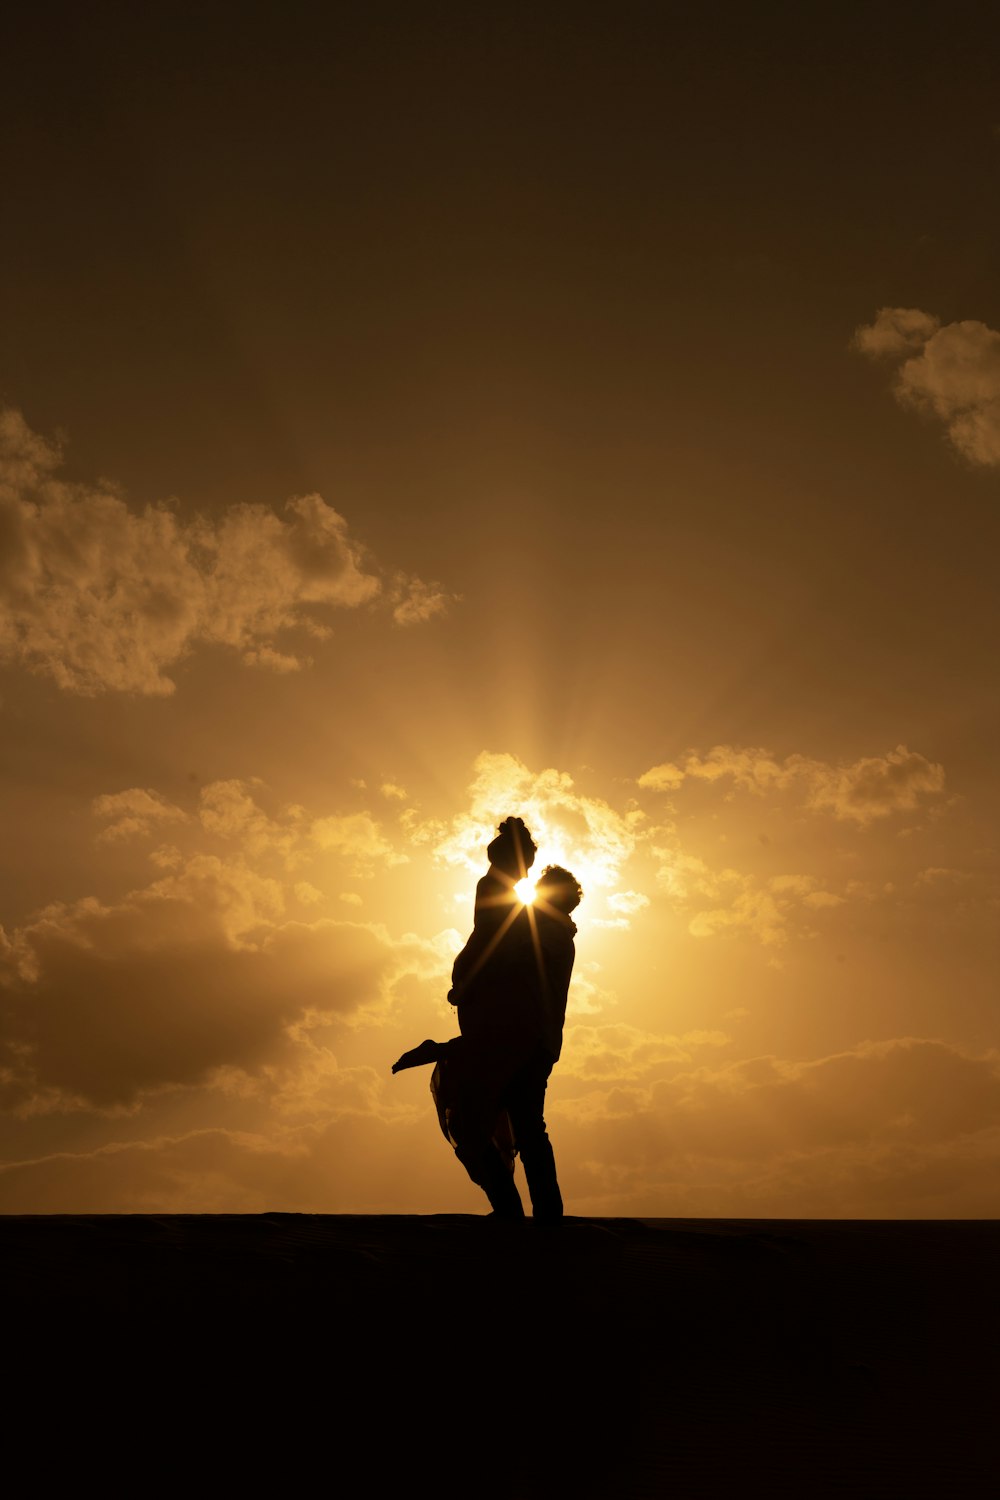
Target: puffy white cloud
[228,809]
[768,909]
[102,598]
[166,857]
[818,900]
[951,372]
[316,1086]
[133,812]
[358,836]
[275,661]
[628,902]
[874,786]
[307,893]
[755,911]
[664,778]
[896,331]
[682,876]
[624,905]
[584,834]
[866,789]
[753,770]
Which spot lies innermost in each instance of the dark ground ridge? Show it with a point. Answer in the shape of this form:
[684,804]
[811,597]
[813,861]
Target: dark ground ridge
[601,1357]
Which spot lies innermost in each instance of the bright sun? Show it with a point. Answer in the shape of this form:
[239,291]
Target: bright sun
[525,890]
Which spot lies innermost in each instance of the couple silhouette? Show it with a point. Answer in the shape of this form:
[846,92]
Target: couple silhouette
[509,987]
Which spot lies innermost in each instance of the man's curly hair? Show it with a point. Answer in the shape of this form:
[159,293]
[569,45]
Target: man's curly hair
[559,888]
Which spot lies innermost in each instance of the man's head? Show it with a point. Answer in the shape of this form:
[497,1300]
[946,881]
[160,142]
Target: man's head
[513,850]
[559,888]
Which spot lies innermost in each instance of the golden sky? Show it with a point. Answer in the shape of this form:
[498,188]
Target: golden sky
[410,419]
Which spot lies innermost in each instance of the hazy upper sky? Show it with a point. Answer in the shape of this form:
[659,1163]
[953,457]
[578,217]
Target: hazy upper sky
[412,417]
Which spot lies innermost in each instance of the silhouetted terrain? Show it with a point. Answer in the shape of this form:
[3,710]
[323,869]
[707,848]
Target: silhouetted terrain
[606,1357]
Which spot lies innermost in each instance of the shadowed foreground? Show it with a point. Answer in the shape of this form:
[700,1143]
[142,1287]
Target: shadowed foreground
[606,1357]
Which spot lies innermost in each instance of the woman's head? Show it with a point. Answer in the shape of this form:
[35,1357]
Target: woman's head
[513,850]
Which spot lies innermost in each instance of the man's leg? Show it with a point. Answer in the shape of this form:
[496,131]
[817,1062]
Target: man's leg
[525,1101]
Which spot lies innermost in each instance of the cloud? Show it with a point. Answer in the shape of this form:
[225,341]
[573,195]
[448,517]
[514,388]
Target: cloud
[354,1162]
[624,1053]
[681,876]
[167,857]
[228,809]
[197,972]
[624,905]
[584,834]
[628,902]
[199,1171]
[950,372]
[134,812]
[769,910]
[275,661]
[938,874]
[866,789]
[317,1086]
[897,331]
[818,900]
[104,598]
[913,1088]
[755,911]
[663,778]
[358,836]
[307,893]
[905,1127]
[874,786]
[414,601]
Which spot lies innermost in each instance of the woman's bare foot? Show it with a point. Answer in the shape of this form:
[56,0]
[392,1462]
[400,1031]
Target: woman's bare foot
[418,1057]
